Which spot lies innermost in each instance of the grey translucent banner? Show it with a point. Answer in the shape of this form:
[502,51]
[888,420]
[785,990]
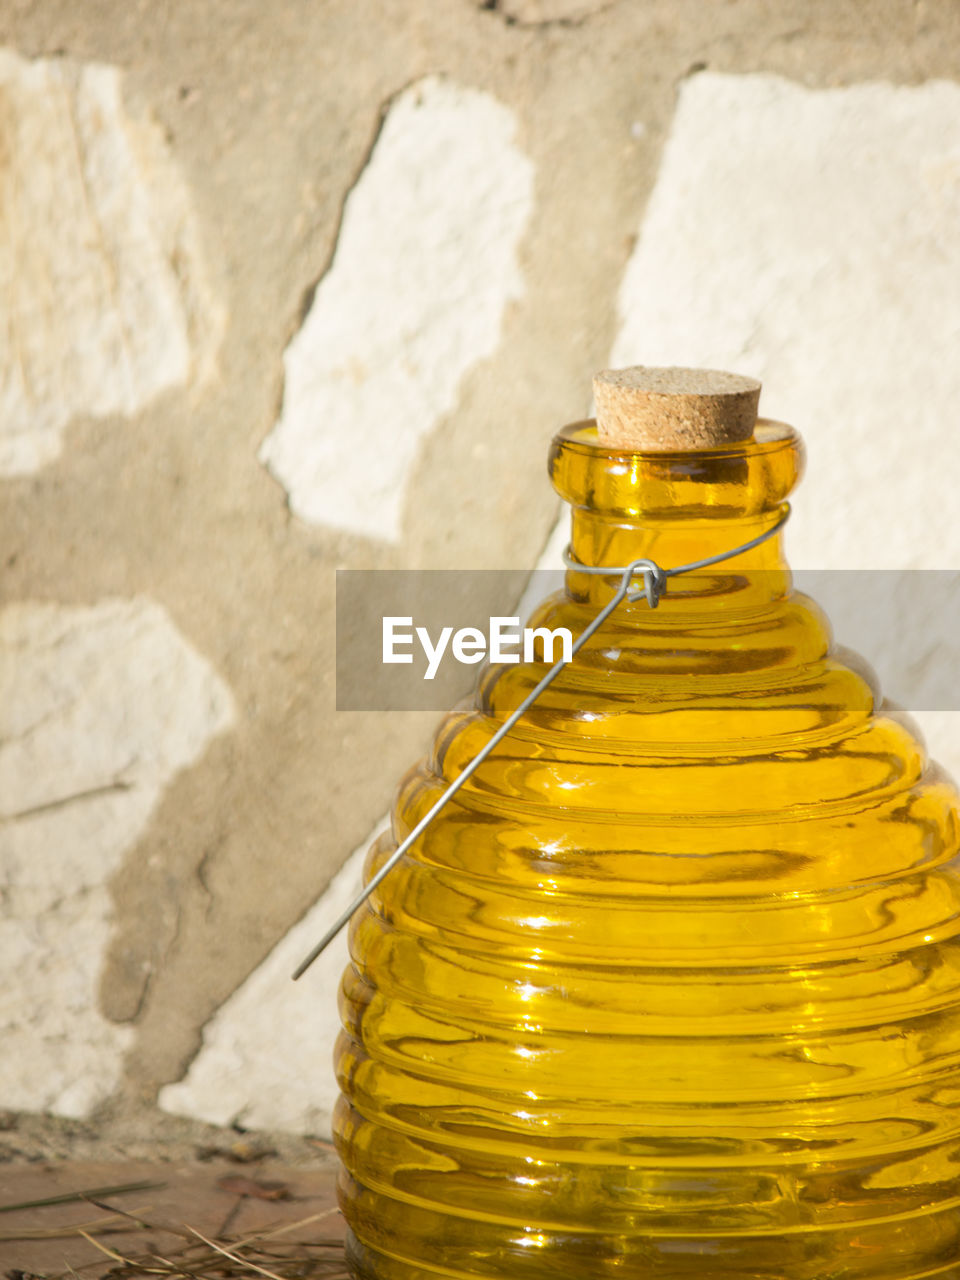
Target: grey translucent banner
[905,623]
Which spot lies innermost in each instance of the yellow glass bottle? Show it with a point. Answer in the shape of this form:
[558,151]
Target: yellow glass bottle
[671,988]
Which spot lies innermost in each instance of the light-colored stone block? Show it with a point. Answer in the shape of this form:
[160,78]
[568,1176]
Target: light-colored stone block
[105,297]
[425,265]
[99,709]
[809,238]
[267,1056]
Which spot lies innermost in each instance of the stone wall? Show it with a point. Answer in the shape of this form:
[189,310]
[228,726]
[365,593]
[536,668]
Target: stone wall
[310,285]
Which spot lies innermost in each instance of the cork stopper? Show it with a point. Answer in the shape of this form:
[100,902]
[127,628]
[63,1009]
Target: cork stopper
[674,409]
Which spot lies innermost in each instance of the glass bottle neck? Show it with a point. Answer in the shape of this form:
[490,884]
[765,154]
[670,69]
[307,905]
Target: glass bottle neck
[753,577]
[675,508]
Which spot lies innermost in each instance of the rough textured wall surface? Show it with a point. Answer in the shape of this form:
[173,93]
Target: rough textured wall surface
[224,225]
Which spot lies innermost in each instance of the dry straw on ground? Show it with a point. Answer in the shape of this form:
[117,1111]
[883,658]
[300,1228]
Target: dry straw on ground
[294,1251]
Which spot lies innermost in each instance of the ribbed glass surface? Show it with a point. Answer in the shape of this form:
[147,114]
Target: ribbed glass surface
[671,990]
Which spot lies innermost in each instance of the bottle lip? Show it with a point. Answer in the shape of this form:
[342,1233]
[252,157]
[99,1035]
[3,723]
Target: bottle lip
[731,481]
[770,435]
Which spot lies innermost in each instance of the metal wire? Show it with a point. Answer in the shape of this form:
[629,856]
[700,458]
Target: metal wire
[654,585]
